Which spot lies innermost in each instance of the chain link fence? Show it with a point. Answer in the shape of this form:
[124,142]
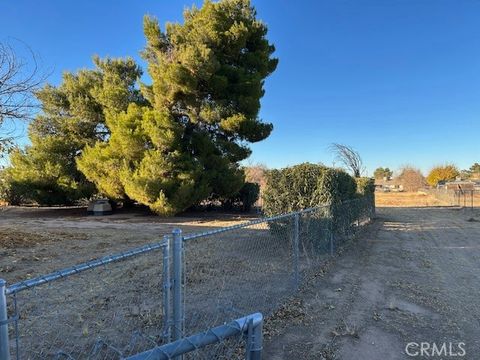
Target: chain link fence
[104,309]
[130,303]
[454,197]
[258,266]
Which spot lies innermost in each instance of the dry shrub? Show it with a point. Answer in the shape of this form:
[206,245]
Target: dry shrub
[411,178]
[256,174]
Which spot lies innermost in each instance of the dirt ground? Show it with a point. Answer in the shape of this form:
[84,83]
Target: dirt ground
[413,276]
[222,276]
[406,199]
[109,304]
[36,241]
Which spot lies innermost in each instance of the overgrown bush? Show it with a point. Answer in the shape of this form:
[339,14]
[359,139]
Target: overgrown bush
[365,186]
[8,193]
[335,186]
[291,188]
[304,186]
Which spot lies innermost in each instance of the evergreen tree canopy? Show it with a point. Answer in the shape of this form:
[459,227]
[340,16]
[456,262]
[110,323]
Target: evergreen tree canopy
[381,173]
[207,81]
[475,168]
[474,171]
[73,116]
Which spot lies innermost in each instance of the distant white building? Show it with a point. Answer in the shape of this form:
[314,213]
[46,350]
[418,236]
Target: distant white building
[388,185]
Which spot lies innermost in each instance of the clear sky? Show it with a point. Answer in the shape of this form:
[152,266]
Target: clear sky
[399,80]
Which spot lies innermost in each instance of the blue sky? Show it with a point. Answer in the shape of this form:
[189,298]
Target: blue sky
[399,80]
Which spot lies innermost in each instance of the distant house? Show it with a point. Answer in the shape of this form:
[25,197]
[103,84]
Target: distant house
[388,185]
[461,185]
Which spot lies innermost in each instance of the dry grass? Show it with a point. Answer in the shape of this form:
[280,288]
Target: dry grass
[36,241]
[406,199]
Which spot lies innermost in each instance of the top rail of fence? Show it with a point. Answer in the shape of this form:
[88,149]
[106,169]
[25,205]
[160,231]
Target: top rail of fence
[76,269]
[251,223]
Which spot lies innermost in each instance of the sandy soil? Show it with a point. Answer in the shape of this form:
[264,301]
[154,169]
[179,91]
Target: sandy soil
[109,303]
[412,277]
[407,199]
[37,241]
[121,303]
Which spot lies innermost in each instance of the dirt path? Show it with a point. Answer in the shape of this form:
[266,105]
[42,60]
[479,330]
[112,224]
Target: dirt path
[413,276]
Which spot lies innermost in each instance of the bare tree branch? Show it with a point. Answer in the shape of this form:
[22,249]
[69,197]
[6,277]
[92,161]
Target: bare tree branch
[19,79]
[349,157]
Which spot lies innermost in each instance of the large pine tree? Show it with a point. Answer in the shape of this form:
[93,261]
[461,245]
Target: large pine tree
[207,81]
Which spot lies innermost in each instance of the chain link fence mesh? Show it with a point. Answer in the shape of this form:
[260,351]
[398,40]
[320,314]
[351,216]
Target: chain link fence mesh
[445,196]
[116,310]
[259,266]
[452,197]
[107,312]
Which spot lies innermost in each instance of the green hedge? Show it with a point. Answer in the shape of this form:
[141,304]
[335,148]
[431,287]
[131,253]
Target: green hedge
[305,185]
[365,186]
[310,185]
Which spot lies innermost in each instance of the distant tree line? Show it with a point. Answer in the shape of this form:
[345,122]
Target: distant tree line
[412,179]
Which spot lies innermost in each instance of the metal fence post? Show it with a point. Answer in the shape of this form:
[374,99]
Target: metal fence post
[166,289]
[372,204]
[178,316]
[332,246]
[295,244]
[331,230]
[254,341]
[4,346]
